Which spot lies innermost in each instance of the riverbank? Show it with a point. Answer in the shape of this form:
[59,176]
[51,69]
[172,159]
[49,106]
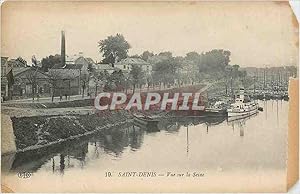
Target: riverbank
[37,125]
[90,101]
[39,131]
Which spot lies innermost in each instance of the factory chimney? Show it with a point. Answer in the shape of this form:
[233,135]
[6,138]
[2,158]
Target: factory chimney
[63,50]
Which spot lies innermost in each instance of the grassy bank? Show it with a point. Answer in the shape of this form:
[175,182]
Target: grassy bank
[39,131]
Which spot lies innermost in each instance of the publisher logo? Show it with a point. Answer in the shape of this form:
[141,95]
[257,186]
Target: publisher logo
[149,101]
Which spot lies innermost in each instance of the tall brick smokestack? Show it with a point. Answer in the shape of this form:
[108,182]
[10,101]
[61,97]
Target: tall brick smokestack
[63,49]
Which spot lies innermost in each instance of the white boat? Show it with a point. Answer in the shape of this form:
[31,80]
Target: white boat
[242,106]
[218,109]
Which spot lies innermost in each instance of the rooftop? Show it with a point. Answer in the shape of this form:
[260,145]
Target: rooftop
[104,66]
[67,66]
[18,70]
[64,73]
[132,61]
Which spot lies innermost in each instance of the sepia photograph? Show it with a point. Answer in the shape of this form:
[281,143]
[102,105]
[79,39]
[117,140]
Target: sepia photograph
[183,96]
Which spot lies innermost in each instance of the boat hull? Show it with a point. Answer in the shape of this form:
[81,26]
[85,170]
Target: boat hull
[215,112]
[146,123]
[242,113]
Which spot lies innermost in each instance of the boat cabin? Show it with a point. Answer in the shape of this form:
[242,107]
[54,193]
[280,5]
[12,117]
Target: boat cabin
[241,97]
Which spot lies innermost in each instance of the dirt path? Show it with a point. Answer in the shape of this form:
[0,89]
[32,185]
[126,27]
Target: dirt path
[22,112]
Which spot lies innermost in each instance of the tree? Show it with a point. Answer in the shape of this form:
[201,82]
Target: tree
[84,81]
[235,71]
[128,82]
[228,77]
[242,74]
[146,54]
[179,60]
[50,61]
[114,48]
[54,77]
[100,78]
[137,76]
[167,54]
[118,78]
[31,77]
[166,71]
[193,56]
[115,81]
[214,61]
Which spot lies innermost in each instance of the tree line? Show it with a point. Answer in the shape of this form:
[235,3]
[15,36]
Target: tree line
[167,70]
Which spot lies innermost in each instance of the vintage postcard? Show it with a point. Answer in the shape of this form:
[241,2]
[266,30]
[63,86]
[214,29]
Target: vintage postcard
[183,96]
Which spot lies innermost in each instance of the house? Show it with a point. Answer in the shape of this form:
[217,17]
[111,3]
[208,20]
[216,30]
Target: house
[29,80]
[104,67]
[126,65]
[80,59]
[67,79]
[70,59]
[72,76]
[85,62]
[5,69]
[18,62]
[90,61]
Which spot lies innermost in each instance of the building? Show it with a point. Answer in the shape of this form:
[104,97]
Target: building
[66,81]
[90,61]
[5,69]
[79,59]
[126,65]
[72,74]
[104,67]
[85,62]
[70,59]
[29,81]
[18,62]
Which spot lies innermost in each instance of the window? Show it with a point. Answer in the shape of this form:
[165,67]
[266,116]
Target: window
[124,67]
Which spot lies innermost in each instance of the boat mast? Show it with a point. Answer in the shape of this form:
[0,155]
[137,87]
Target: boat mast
[255,79]
[232,94]
[278,80]
[264,78]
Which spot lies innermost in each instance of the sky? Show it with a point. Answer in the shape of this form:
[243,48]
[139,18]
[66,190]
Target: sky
[256,33]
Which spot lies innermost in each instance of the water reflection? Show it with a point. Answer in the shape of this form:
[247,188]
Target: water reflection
[187,140]
[116,142]
[240,123]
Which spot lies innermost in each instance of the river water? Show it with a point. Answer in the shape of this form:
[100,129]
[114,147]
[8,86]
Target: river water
[251,150]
